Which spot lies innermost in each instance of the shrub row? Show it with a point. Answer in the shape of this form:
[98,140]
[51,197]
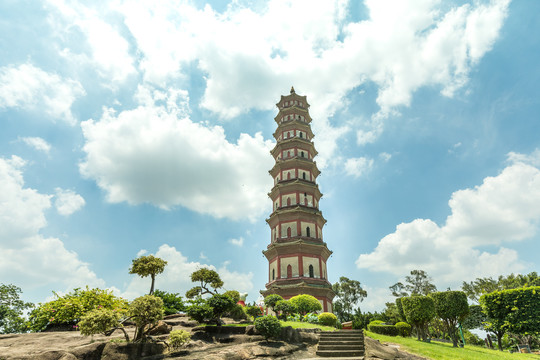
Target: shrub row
[401,328]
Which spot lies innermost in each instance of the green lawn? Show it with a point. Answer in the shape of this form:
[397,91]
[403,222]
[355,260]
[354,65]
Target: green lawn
[305,325]
[444,351]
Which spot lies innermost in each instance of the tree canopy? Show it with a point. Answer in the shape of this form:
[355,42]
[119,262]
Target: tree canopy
[452,308]
[349,293]
[148,266]
[11,309]
[418,283]
[480,286]
[209,281]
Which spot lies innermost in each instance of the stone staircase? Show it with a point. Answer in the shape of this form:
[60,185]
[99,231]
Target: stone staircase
[342,344]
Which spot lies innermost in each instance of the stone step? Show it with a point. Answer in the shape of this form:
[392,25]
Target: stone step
[341,353]
[340,347]
[341,338]
[335,342]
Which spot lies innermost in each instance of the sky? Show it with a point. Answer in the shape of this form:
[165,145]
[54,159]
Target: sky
[131,128]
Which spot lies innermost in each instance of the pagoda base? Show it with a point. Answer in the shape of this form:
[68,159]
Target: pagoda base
[287,289]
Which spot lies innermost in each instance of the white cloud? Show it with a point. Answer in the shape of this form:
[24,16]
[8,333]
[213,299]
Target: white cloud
[176,277]
[27,258]
[67,201]
[30,88]
[237,242]
[108,50]
[358,166]
[502,210]
[168,160]
[37,143]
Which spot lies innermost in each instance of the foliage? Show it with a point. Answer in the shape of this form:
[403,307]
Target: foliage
[305,303]
[399,308]
[220,304]
[311,318]
[472,339]
[148,266]
[403,329]
[99,321]
[391,313]
[237,312]
[327,319]
[12,309]
[145,311]
[172,302]
[177,338]
[419,283]
[418,310]
[481,286]
[452,307]
[70,308]
[306,325]
[200,312]
[268,326]
[516,311]
[349,293]
[383,329]
[233,294]
[285,308]
[271,300]
[209,283]
[253,311]
[475,319]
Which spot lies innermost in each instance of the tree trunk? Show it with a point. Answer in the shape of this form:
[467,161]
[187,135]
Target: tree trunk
[152,286]
[499,340]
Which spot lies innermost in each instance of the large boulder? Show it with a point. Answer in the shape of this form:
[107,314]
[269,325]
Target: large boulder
[161,328]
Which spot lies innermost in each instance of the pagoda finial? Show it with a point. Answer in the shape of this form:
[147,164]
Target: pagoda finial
[292,89]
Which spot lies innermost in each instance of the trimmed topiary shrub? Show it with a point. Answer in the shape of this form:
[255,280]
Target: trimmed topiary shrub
[403,328]
[238,312]
[327,319]
[379,327]
[271,300]
[305,303]
[145,310]
[268,326]
[99,321]
[285,308]
[254,311]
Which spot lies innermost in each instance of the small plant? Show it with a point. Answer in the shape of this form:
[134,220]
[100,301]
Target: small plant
[268,326]
[200,312]
[327,319]
[305,303]
[311,318]
[99,321]
[178,338]
[172,303]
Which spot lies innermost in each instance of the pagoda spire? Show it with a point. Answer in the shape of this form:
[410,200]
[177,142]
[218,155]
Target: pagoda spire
[297,254]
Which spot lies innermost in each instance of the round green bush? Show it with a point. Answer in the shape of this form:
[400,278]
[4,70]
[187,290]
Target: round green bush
[403,328]
[177,338]
[327,319]
[253,311]
[390,330]
[98,321]
[305,303]
[268,326]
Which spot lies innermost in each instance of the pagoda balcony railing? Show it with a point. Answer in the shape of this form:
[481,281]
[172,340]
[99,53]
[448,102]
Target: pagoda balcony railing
[287,158]
[308,239]
[284,181]
[295,278]
[308,206]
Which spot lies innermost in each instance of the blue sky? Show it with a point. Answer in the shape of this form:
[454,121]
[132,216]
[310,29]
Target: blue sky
[132,128]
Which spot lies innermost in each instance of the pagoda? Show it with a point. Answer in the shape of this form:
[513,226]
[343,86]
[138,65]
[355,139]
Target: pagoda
[297,254]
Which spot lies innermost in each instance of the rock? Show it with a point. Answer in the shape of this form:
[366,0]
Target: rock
[377,351]
[131,351]
[289,334]
[308,337]
[160,329]
[250,330]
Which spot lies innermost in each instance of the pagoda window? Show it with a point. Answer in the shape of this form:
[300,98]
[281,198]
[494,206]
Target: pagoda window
[288,154]
[289,271]
[288,201]
[311,272]
[273,274]
[300,134]
[302,153]
[288,176]
[304,175]
[289,134]
[308,233]
[289,231]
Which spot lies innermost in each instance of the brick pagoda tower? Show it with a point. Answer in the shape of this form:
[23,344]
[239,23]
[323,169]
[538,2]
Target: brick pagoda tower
[297,254]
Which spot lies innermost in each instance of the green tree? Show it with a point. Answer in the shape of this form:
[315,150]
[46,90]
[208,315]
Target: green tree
[209,281]
[200,312]
[452,308]
[145,311]
[148,266]
[486,285]
[268,326]
[233,294]
[419,310]
[418,283]
[475,319]
[12,309]
[172,302]
[271,300]
[305,303]
[285,308]
[220,304]
[349,293]
[253,311]
[516,311]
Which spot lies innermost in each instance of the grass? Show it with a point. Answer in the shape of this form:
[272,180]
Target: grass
[443,351]
[306,325]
